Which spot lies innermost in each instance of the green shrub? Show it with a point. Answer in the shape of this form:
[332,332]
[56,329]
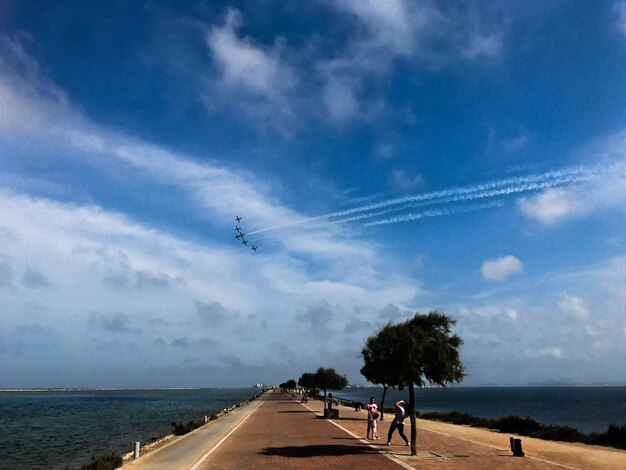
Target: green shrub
[615,436]
[183,428]
[103,462]
[515,424]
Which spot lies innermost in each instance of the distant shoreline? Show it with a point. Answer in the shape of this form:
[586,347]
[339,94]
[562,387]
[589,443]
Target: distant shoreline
[95,389]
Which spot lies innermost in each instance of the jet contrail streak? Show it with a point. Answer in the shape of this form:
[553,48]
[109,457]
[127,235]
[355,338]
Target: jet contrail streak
[471,197]
[435,213]
[459,193]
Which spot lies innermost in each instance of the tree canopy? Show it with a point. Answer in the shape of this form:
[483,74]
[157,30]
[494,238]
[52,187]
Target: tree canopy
[307,380]
[329,379]
[377,363]
[290,384]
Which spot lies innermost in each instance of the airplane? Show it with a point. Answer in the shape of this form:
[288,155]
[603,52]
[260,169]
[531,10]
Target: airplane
[237,228]
[238,219]
[244,241]
[238,236]
[254,248]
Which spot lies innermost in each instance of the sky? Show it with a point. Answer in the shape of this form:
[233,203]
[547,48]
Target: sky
[386,157]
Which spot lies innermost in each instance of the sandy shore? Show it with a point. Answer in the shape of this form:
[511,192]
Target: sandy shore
[574,455]
[567,454]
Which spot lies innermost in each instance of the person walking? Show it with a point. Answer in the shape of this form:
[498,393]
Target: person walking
[398,423]
[372,418]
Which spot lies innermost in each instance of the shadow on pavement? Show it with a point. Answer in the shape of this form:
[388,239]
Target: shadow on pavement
[344,419]
[318,451]
[295,411]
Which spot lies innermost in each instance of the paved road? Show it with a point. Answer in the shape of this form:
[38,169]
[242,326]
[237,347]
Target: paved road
[282,434]
[184,453]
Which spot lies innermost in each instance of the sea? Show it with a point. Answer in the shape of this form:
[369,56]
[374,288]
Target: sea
[589,409]
[62,429]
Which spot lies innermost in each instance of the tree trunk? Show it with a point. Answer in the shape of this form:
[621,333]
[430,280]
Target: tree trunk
[382,402]
[412,416]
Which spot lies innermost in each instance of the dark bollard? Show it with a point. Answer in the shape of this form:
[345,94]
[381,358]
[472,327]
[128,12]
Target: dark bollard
[516,447]
[329,412]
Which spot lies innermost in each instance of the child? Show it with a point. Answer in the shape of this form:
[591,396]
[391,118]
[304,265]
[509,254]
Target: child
[372,418]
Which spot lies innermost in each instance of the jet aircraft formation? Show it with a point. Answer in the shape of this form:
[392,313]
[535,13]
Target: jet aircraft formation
[240,236]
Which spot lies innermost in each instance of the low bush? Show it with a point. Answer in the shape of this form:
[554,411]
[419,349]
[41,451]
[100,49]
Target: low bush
[615,436]
[183,428]
[103,462]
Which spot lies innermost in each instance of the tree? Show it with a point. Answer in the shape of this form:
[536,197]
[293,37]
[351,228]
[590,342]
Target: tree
[290,384]
[329,379]
[307,381]
[422,350]
[377,368]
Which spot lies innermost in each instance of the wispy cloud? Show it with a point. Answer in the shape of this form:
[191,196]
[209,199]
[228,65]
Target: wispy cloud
[619,8]
[574,306]
[605,191]
[282,85]
[252,78]
[500,268]
[86,249]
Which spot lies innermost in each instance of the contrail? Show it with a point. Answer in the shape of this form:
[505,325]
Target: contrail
[470,197]
[435,213]
[459,193]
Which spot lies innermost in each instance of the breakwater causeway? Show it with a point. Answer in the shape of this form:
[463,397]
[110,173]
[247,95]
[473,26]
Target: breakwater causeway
[62,429]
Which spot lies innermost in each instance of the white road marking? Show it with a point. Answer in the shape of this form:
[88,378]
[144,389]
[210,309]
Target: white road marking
[390,456]
[205,456]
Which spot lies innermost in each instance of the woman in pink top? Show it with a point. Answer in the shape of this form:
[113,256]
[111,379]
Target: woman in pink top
[372,418]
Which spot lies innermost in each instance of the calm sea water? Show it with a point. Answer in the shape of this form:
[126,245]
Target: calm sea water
[58,430]
[586,408]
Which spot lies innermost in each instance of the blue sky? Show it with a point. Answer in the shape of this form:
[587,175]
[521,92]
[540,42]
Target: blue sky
[387,157]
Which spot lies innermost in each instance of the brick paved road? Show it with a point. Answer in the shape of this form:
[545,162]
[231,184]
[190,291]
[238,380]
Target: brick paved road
[282,434]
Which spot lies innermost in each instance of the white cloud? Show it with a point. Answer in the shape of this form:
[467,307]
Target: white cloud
[551,206]
[511,313]
[339,97]
[392,26]
[83,247]
[553,352]
[280,86]
[604,189]
[603,344]
[252,77]
[499,269]
[574,306]
[128,273]
[481,46]
[619,9]
[515,144]
[405,182]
